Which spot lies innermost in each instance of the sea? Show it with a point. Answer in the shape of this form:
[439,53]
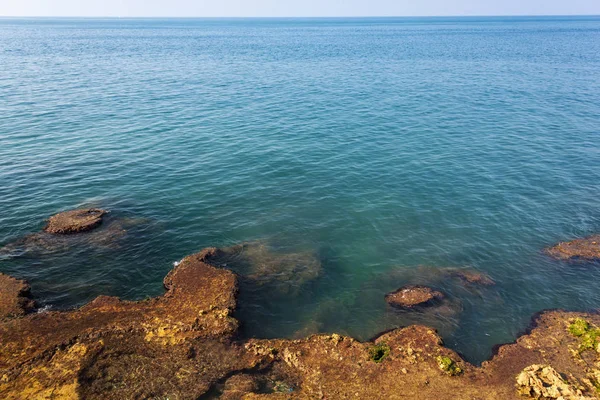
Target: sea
[388,150]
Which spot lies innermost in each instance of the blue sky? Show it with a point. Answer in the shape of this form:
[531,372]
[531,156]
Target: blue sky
[274,8]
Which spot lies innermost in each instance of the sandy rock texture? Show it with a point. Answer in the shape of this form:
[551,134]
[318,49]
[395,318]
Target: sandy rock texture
[75,221]
[582,249]
[184,345]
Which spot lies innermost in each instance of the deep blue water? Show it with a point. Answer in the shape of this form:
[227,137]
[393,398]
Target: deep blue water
[377,145]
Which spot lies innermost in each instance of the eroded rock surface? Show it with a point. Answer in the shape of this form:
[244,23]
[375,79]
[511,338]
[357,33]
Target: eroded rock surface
[584,249]
[75,221]
[183,345]
[412,296]
[544,382]
[14,298]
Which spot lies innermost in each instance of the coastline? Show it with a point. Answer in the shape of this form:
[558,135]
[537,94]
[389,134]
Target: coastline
[184,344]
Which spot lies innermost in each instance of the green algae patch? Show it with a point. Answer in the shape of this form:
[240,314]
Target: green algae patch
[588,334]
[448,365]
[379,352]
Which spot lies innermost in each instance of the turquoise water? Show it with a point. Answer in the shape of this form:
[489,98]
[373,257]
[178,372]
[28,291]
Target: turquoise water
[377,145]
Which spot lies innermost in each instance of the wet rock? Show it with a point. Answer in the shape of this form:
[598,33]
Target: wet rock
[184,344]
[544,382]
[261,264]
[75,221]
[584,249]
[120,349]
[411,296]
[107,236]
[14,298]
[471,277]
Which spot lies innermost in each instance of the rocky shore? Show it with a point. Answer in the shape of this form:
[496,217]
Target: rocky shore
[185,345]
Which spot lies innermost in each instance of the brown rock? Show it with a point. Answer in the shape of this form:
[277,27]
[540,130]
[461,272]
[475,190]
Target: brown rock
[543,382]
[412,296]
[14,298]
[471,277]
[238,385]
[586,249]
[75,221]
[183,345]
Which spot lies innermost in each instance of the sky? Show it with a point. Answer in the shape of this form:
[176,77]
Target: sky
[294,8]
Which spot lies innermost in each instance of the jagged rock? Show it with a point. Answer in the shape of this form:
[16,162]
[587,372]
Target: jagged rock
[184,344]
[115,349]
[544,382]
[14,298]
[585,249]
[411,296]
[75,221]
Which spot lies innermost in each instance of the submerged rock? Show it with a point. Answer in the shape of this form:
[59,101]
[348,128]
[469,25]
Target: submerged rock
[411,296]
[470,276]
[106,236]
[14,298]
[75,221]
[261,264]
[184,345]
[585,249]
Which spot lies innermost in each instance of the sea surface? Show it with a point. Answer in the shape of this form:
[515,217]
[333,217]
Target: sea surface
[385,149]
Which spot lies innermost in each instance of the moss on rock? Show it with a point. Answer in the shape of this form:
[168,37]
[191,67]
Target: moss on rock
[448,365]
[588,334]
[379,352]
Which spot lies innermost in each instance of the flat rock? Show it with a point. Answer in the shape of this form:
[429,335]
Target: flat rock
[75,221]
[584,249]
[185,345]
[14,298]
[413,296]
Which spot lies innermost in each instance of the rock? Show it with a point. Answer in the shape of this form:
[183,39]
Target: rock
[14,298]
[259,263]
[543,382]
[75,221]
[121,349]
[185,345]
[241,383]
[471,277]
[411,296]
[585,249]
[108,236]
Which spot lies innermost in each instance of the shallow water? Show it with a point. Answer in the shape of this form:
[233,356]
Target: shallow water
[379,146]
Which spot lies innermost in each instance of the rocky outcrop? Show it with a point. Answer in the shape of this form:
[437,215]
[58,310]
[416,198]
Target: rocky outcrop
[412,296]
[544,382]
[74,229]
[582,249]
[184,345]
[75,221]
[14,298]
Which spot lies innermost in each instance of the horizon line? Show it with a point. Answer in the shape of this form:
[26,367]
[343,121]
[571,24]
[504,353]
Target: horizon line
[298,17]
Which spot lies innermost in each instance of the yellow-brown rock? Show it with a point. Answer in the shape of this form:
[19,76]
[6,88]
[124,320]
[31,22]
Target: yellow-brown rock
[184,345]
